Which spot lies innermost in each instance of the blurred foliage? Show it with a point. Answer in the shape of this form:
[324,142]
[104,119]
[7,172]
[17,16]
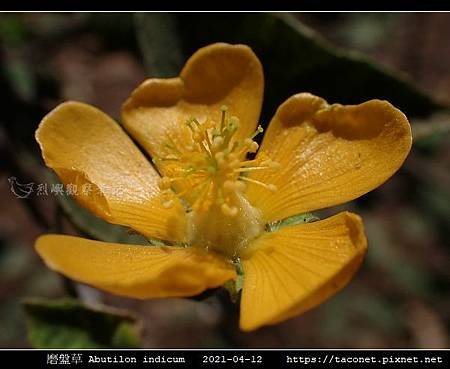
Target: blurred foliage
[410,279]
[294,57]
[160,44]
[69,324]
[406,220]
[430,133]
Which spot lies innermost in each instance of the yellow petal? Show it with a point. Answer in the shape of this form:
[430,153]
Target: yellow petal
[135,271]
[114,180]
[216,75]
[329,154]
[296,268]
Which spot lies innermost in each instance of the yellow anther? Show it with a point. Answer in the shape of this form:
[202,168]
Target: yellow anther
[218,141]
[234,121]
[220,155]
[271,187]
[228,185]
[234,164]
[233,186]
[168,204]
[253,147]
[229,211]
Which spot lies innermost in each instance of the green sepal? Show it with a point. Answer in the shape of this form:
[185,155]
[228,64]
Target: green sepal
[234,287]
[290,221]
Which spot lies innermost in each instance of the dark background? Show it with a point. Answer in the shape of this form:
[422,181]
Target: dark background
[399,299]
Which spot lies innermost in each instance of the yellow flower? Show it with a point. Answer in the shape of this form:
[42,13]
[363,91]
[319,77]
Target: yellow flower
[206,194]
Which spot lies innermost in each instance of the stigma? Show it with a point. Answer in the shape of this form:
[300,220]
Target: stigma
[211,169]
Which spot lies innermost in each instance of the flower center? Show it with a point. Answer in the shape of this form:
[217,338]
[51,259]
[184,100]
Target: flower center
[208,174]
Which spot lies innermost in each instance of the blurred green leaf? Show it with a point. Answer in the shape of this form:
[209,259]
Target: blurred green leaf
[429,134]
[68,324]
[21,78]
[404,274]
[435,202]
[295,59]
[366,311]
[367,30]
[115,29]
[159,42]
[12,30]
